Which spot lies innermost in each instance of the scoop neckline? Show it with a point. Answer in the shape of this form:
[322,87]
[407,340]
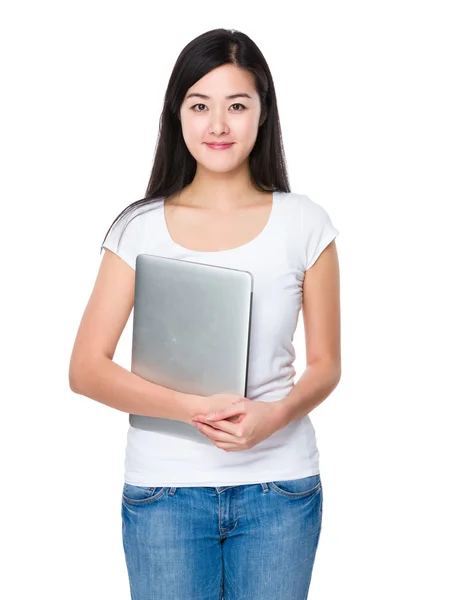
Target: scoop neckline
[258,237]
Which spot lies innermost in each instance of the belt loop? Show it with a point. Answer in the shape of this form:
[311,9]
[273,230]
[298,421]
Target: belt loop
[264,487]
[172,491]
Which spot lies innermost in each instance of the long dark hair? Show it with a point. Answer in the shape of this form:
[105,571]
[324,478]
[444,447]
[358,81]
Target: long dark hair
[174,167]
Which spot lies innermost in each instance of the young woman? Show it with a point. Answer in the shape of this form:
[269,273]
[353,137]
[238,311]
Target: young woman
[239,518]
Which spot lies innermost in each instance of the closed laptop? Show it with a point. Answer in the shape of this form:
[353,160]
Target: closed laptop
[191,332]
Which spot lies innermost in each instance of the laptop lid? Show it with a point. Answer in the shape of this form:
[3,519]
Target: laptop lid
[191,331]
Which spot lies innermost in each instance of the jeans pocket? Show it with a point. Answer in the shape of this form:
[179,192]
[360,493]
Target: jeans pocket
[138,494]
[297,488]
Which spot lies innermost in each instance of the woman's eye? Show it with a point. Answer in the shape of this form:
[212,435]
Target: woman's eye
[196,106]
[236,104]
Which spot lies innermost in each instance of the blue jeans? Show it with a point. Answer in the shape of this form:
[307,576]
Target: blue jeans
[241,542]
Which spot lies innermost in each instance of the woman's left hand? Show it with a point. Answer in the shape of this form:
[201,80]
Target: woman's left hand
[256,422]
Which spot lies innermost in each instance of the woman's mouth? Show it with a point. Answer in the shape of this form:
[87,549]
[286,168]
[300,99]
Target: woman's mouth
[219,146]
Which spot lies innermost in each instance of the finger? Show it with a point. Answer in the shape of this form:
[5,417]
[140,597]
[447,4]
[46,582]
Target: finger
[226,426]
[224,413]
[218,435]
[229,447]
[234,419]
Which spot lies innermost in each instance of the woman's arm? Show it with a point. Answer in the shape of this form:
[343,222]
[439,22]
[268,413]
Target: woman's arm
[321,316]
[93,373]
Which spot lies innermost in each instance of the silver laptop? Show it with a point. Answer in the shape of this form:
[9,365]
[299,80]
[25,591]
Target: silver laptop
[191,331]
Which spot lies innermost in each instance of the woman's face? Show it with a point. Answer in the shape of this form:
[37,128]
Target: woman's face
[213,117]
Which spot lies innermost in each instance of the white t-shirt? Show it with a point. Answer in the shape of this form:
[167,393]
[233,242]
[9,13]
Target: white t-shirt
[296,233]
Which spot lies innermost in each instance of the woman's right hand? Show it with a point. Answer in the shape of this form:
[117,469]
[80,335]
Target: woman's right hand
[216,402]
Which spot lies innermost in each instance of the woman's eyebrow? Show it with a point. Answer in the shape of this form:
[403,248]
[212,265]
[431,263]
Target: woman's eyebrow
[231,97]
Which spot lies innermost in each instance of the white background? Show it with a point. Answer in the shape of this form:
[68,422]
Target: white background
[364,93]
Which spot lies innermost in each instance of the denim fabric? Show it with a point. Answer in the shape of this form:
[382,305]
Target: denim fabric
[241,542]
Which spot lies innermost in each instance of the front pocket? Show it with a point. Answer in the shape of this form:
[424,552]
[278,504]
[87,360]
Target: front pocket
[138,494]
[297,488]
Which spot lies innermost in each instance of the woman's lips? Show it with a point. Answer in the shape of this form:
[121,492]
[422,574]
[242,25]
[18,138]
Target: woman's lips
[219,146]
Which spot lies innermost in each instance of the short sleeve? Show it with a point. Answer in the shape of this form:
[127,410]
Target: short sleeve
[124,237]
[318,230]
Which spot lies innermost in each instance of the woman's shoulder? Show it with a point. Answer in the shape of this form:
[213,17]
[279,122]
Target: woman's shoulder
[145,207]
[304,203]
[137,215]
[134,217]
